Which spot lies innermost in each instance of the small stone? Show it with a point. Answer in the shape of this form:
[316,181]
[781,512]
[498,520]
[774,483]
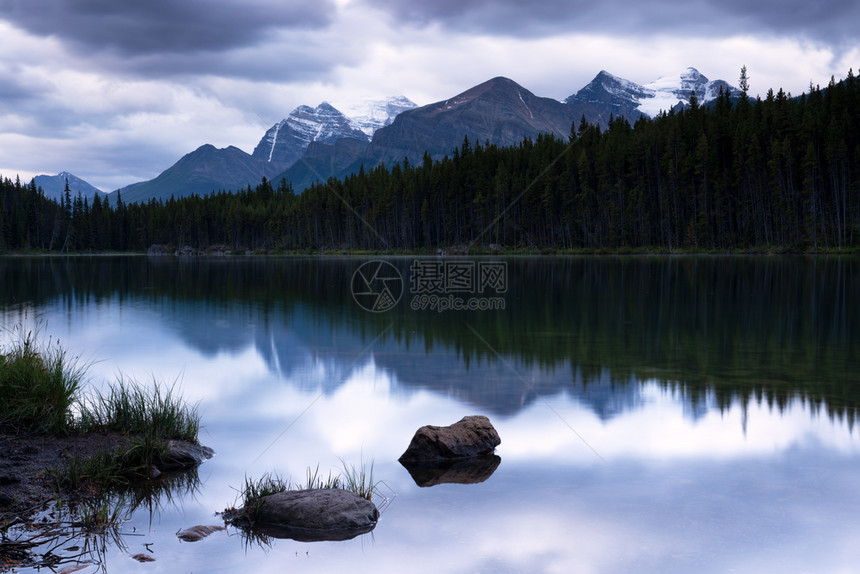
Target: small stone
[143,557]
[196,533]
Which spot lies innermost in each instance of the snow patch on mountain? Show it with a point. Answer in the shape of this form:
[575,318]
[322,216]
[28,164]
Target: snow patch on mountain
[619,87]
[273,138]
[288,139]
[610,94]
[371,115]
[667,92]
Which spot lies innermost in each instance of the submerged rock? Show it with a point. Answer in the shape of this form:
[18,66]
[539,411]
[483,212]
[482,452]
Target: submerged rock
[183,455]
[316,514]
[469,437]
[196,533]
[454,471]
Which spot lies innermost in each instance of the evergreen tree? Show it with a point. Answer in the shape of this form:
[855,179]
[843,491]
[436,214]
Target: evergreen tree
[744,82]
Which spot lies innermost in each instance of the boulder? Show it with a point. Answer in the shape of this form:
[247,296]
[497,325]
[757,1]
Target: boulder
[183,455]
[471,436]
[315,514]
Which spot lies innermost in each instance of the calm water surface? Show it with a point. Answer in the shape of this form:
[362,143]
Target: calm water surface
[660,414]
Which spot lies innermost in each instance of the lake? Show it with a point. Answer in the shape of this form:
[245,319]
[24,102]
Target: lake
[657,414]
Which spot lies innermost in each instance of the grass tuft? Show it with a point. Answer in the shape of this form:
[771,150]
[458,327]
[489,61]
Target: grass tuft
[38,383]
[315,481]
[134,408]
[359,480]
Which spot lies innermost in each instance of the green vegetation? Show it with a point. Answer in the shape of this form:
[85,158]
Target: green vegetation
[41,391]
[41,388]
[134,408]
[359,480]
[39,385]
[780,173]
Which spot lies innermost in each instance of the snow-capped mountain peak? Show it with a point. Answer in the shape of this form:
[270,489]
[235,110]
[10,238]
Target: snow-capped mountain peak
[371,115]
[667,92]
[608,95]
[287,140]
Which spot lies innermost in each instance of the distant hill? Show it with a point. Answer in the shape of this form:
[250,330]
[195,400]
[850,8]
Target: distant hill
[55,185]
[201,172]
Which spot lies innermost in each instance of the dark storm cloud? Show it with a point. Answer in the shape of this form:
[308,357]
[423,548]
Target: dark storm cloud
[145,27]
[826,21]
[292,61]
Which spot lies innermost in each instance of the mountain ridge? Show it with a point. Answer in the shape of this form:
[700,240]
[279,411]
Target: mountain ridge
[54,186]
[499,112]
[205,170]
[314,144]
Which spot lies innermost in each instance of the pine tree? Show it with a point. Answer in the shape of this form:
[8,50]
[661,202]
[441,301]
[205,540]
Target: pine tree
[744,82]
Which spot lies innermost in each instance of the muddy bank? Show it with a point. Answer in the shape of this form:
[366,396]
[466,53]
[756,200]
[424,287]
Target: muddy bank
[26,462]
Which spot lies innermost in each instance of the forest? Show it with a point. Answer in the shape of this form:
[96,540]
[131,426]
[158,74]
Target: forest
[775,173]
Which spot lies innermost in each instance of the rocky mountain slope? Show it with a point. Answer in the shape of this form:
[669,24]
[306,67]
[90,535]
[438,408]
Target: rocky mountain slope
[498,111]
[288,140]
[314,144]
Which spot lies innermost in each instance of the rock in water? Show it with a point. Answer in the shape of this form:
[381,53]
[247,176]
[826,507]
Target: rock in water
[196,533]
[316,514]
[469,437]
[183,455]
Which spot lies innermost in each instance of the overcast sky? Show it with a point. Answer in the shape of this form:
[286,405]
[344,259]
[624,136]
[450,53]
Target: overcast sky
[116,91]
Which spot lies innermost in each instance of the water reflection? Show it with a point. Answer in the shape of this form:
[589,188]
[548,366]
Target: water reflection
[656,414]
[461,471]
[59,538]
[742,328]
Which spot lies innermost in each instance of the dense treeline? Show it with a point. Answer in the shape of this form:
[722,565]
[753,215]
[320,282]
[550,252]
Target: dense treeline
[775,172]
